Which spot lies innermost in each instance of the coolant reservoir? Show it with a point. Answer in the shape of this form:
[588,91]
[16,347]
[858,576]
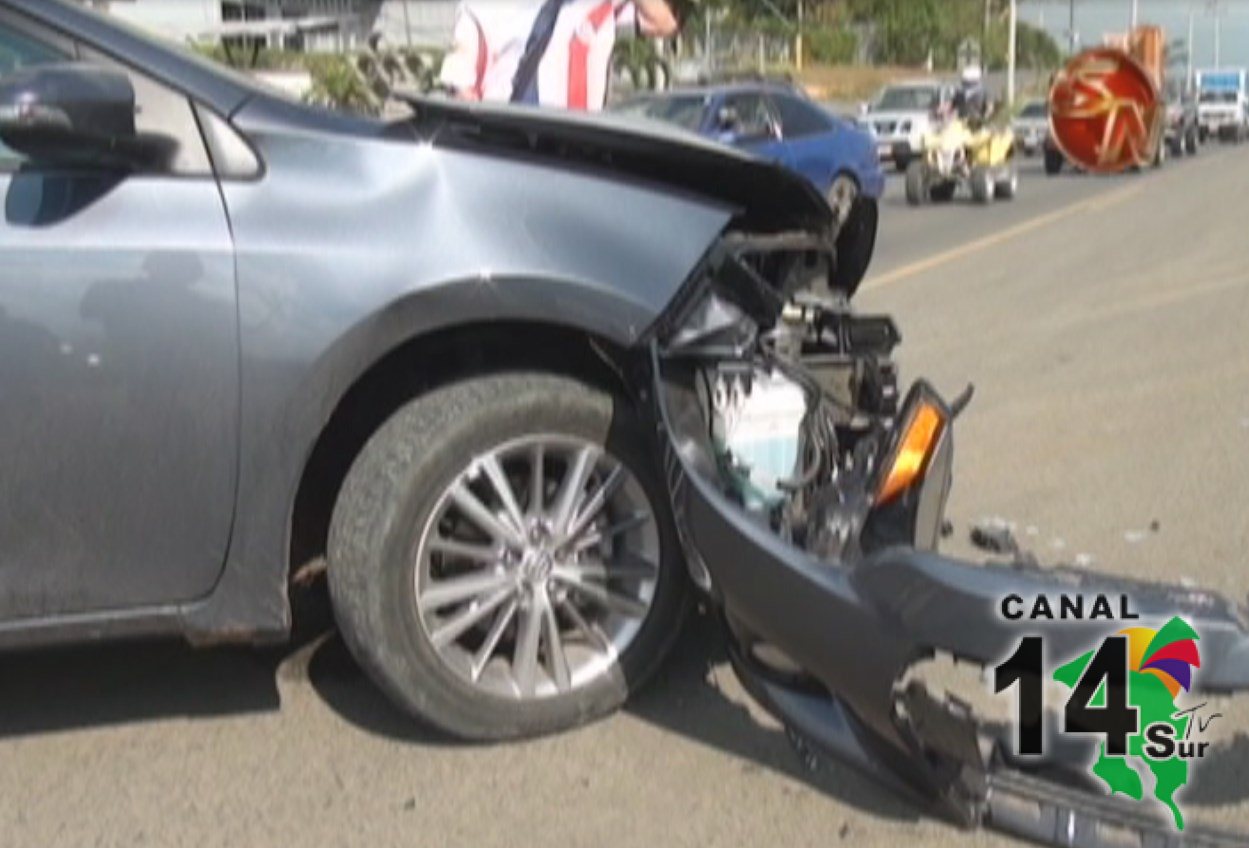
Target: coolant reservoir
[758,419]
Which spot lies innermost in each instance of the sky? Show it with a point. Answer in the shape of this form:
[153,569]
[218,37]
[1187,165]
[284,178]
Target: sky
[1094,18]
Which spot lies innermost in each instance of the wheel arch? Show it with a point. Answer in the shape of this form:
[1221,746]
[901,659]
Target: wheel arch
[843,170]
[403,373]
[428,336]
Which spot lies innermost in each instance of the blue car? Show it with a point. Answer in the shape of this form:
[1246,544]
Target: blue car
[777,122]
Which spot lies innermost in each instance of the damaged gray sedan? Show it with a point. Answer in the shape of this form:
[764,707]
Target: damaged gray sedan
[522,382]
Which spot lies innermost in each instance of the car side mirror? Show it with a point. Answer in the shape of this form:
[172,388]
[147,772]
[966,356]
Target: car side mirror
[74,113]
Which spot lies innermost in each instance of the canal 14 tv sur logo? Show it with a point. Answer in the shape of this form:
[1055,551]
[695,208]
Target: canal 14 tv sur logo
[1124,692]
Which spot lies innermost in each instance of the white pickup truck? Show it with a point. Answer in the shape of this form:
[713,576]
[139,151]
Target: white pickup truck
[1223,104]
[901,114]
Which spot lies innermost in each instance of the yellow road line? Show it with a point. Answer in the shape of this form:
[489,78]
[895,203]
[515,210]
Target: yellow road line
[1098,202]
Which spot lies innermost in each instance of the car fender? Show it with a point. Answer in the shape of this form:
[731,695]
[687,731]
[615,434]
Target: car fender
[441,239]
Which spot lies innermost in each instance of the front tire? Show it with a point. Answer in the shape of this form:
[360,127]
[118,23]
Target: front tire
[856,242]
[981,184]
[916,184]
[842,194]
[1053,161]
[1008,186]
[502,561]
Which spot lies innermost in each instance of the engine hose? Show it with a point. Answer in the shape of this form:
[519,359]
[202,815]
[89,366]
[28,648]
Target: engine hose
[812,470]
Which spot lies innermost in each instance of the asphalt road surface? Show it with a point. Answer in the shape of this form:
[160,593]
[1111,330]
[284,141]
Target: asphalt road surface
[1105,323]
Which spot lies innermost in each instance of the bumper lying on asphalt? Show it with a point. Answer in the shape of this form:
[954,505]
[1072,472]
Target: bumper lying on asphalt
[852,630]
[857,628]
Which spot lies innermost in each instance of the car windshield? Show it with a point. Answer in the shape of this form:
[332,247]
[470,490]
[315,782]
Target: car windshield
[683,111]
[1218,97]
[911,98]
[1033,110]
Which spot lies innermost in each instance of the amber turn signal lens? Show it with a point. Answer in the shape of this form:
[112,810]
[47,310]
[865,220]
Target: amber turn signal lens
[917,443]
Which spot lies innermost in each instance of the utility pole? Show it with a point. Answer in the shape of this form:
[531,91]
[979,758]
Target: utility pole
[1071,27]
[984,35]
[798,40]
[1010,56]
[1132,17]
[1218,36]
[708,49]
[1188,71]
[407,24]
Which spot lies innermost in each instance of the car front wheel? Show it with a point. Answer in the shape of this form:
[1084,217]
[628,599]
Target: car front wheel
[982,187]
[842,194]
[1053,161]
[502,560]
[916,184]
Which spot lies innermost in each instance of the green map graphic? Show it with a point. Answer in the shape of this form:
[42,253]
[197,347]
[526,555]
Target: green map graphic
[1146,692]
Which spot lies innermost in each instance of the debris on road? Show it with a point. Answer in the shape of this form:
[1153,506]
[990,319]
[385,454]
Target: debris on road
[1132,537]
[995,535]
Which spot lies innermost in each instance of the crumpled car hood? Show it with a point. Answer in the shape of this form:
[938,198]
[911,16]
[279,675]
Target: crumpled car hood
[766,197]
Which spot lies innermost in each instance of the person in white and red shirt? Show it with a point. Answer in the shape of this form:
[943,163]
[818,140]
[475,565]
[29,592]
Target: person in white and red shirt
[545,52]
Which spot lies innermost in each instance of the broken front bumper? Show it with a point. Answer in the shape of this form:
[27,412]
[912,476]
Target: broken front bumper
[853,630]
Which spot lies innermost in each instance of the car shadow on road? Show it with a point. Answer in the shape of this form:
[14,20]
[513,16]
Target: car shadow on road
[695,696]
[51,690]
[96,685]
[681,700]
[47,691]
[343,686]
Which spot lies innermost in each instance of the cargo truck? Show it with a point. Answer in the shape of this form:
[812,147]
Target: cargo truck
[1222,105]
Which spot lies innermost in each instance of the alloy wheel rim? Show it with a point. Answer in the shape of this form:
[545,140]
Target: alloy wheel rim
[842,194]
[537,567]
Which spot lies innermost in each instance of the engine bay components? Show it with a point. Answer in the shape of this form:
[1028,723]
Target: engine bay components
[757,421]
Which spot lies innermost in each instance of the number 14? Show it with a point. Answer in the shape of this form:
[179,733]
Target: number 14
[1114,719]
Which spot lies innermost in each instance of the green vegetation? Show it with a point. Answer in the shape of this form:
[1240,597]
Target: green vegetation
[882,33]
[357,82]
[641,62]
[887,32]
